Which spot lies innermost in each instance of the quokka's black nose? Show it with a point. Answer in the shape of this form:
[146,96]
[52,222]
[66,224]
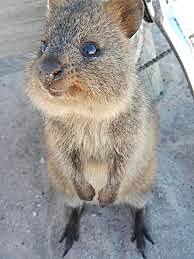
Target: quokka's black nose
[49,69]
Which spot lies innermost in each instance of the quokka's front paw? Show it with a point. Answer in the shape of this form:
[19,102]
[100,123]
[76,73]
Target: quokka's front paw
[106,196]
[85,192]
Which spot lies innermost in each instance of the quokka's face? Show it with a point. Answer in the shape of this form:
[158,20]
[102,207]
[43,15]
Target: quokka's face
[84,55]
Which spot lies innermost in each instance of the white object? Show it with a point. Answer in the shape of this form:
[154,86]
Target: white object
[176,23]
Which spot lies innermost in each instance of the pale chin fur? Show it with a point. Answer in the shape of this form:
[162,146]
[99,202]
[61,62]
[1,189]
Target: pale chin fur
[97,111]
[55,107]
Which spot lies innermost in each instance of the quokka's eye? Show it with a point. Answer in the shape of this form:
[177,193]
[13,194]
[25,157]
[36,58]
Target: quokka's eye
[44,46]
[90,50]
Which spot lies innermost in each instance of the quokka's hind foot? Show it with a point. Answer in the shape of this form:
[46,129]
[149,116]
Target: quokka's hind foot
[141,233]
[71,232]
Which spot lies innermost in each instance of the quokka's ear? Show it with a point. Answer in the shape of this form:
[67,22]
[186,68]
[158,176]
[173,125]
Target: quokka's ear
[128,13]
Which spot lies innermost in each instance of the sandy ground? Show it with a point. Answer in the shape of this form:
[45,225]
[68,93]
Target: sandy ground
[19,21]
[31,218]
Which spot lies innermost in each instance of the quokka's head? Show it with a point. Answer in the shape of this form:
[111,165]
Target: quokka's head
[85,56]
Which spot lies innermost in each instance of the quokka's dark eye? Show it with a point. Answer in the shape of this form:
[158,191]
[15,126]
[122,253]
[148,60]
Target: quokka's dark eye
[90,50]
[44,46]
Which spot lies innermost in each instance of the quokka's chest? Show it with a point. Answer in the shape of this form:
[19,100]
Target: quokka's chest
[94,140]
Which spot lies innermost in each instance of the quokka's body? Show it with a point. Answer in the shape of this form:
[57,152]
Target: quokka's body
[100,126]
[134,137]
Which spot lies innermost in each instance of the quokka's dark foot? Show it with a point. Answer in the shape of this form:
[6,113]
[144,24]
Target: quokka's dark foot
[141,233]
[71,232]
[85,192]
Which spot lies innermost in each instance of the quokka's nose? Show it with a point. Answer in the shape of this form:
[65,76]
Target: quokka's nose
[49,70]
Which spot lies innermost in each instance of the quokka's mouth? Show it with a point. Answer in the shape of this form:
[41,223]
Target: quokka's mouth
[56,92]
[52,90]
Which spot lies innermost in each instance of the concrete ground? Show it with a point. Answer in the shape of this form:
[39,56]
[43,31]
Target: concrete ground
[31,218]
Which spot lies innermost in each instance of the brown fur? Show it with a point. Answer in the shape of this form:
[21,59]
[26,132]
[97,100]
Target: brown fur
[101,134]
[129,13]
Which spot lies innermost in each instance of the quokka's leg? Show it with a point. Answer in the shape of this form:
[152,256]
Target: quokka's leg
[140,193]
[71,231]
[140,231]
[74,208]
